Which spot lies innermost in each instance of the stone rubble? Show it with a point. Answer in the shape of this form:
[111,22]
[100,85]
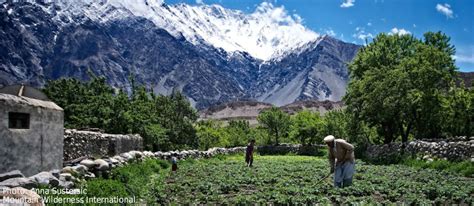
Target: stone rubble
[11,174]
[87,169]
[459,148]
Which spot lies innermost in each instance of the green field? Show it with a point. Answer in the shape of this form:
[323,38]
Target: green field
[294,179]
[279,180]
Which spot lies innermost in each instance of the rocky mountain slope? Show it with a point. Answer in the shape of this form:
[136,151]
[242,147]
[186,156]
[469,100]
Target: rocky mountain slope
[212,54]
[249,110]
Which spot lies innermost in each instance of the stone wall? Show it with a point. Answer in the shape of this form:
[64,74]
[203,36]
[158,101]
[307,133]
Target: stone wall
[460,148]
[89,168]
[83,144]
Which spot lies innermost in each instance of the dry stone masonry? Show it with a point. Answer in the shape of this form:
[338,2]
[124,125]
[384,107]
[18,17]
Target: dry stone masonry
[459,148]
[79,144]
[91,168]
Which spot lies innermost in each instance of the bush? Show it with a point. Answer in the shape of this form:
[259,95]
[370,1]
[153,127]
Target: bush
[284,150]
[136,175]
[106,188]
[465,168]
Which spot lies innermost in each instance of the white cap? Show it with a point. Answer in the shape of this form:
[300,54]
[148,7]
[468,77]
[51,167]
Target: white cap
[329,138]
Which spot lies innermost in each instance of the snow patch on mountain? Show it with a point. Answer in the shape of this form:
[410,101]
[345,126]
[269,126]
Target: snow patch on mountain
[264,33]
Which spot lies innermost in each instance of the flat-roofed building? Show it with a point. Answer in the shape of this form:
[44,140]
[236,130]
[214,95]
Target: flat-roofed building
[31,131]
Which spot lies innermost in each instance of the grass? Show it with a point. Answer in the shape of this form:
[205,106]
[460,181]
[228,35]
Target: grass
[279,180]
[464,168]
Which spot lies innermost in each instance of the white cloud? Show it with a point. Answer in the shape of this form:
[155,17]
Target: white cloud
[445,9]
[347,3]
[362,35]
[341,37]
[199,2]
[464,58]
[298,18]
[330,32]
[369,24]
[399,31]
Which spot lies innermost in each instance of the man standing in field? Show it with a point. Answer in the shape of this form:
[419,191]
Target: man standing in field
[342,160]
[249,153]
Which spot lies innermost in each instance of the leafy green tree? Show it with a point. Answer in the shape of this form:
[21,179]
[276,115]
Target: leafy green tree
[86,105]
[67,93]
[336,122]
[398,83]
[238,133]
[100,98]
[459,119]
[154,138]
[122,120]
[306,127]
[209,134]
[165,122]
[276,122]
[177,117]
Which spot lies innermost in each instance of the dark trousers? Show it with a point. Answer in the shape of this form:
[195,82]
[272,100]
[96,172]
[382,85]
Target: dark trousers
[248,160]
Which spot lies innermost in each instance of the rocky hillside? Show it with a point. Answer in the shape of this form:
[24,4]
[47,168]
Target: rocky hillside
[150,41]
[467,78]
[249,110]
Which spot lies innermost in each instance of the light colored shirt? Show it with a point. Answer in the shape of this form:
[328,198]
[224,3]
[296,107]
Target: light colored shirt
[342,152]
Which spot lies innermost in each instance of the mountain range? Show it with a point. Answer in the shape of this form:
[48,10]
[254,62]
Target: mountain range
[212,54]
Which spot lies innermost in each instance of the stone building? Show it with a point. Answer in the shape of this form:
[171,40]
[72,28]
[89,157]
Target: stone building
[31,131]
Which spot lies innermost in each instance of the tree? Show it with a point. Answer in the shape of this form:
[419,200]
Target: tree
[122,121]
[306,127]
[209,134]
[276,122]
[85,104]
[335,122]
[398,83]
[177,116]
[165,122]
[238,133]
[459,106]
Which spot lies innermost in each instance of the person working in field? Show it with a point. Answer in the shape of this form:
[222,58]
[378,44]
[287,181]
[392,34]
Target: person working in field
[174,163]
[249,153]
[342,160]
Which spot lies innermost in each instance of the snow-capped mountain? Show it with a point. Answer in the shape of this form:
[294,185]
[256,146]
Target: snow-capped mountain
[263,33]
[211,53]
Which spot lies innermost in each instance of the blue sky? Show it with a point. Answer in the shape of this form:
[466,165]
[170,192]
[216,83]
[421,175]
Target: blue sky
[356,20]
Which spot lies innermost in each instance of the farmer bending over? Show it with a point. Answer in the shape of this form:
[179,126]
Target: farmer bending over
[342,160]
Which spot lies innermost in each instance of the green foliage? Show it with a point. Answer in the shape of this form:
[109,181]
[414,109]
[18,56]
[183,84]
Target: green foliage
[295,180]
[165,122]
[306,127]
[136,176]
[155,137]
[106,188]
[464,168]
[283,180]
[398,84]
[459,106]
[336,123]
[210,134]
[85,104]
[276,122]
[239,133]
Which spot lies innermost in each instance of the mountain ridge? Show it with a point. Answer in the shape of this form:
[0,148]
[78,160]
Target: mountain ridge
[45,41]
